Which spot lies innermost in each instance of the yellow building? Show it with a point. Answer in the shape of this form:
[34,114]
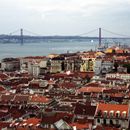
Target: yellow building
[87,65]
[99,53]
[52,55]
[109,50]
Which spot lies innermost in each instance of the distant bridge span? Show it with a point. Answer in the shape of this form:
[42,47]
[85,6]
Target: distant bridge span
[21,37]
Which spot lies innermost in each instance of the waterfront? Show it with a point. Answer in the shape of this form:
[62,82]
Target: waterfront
[45,48]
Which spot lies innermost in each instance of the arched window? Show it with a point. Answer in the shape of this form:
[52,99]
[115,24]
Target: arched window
[111,114]
[124,114]
[105,114]
[117,114]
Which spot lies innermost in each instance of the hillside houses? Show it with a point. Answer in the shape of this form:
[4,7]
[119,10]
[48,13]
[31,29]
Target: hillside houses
[72,91]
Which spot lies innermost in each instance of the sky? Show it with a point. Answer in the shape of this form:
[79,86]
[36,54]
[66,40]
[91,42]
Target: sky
[65,17]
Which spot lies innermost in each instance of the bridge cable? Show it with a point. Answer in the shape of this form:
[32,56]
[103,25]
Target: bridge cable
[34,34]
[14,32]
[115,33]
[87,32]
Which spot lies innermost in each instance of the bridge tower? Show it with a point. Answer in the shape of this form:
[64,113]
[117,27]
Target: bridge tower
[21,35]
[100,37]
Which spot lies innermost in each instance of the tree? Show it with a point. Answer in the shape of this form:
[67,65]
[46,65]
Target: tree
[115,66]
[127,65]
[88,78]
[113,51]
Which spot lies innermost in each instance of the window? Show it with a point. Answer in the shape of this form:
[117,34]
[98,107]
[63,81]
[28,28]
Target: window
[99,113]
[105,114]
[104,122]
[117,114]
[111,122]
[124,114]
[117,122]
[111,114]
[98,120]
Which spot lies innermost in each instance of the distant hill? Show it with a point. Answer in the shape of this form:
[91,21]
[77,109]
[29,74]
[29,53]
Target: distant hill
[27,38]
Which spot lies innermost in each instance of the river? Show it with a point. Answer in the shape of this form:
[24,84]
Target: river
[45,48]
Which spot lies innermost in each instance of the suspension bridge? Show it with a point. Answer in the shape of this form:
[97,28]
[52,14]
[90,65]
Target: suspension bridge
[23,35]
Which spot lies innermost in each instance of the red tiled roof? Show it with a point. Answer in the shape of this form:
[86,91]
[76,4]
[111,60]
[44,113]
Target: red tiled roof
[110,90]
[61,75]
[3,114]
[3,76]
[33,121]
[34,85]
[53,117]
[4,125]
[51,82]
[16,112]
[84,109]
[68,85]
[117,95]
[26,128]
[95,84]
[112,107]
[2,88]
[88,56]
[80,126]
[39,99]
[35,57]
[6,98]
[120,51]
[91,89]
[113,79]
[21,98]
[85,74]
[120,58]
[74,74]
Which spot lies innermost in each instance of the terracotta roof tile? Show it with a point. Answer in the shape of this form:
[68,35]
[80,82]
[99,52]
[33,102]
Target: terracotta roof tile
[85,109]
[3,76]
[91,84]
[80,126]
[35,57]
[21,98]
[6,98]
[91,89]
[112,107]
[117,95]
[33,121]
[50,118]
[2,88]
[4,125]
[39,99]
[111,91]
[67,85]
[85,74]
